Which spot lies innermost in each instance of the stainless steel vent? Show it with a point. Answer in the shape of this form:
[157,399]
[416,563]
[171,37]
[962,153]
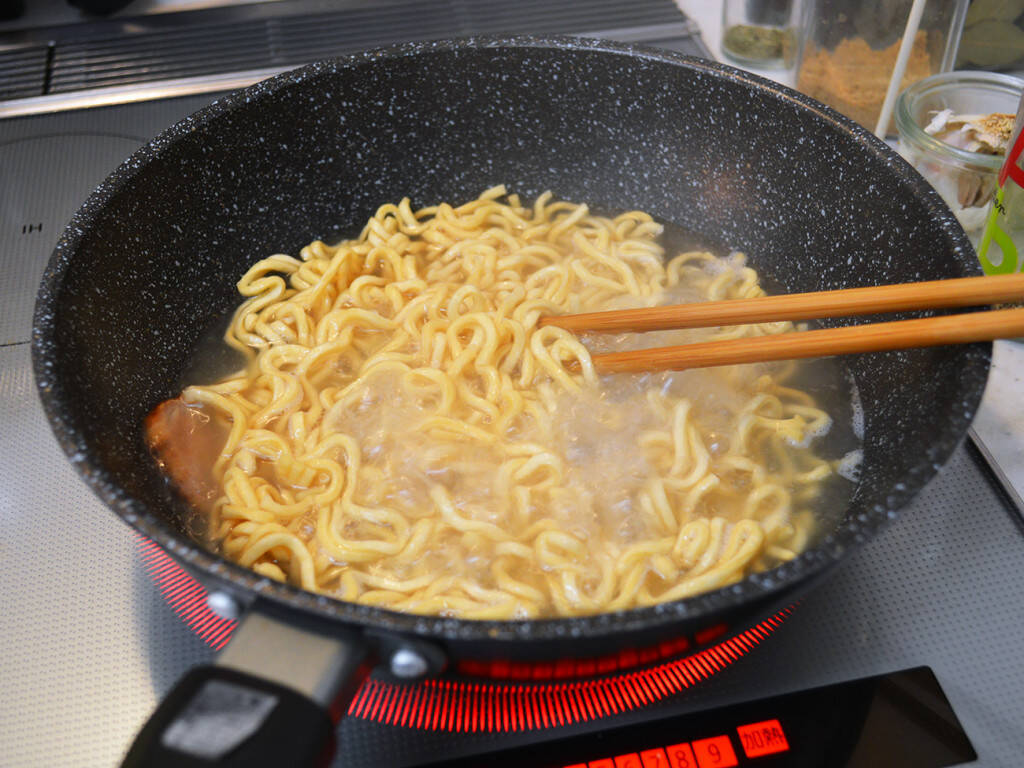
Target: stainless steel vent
[118,55]
[239,46]
[23,70]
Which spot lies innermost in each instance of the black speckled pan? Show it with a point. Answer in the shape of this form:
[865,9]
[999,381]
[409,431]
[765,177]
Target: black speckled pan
[817,202]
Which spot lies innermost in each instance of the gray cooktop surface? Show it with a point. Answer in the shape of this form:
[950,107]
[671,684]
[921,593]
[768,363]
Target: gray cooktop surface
[90,645]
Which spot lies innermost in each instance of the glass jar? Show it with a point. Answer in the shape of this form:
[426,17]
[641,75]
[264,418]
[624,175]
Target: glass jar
[966,180]
[993,37]
[849,47]
[760,33]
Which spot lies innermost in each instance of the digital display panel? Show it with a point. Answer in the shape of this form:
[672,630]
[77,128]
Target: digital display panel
[764,738]
[681,756]
[899,720]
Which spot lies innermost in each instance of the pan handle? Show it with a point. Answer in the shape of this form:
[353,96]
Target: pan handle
[271,699]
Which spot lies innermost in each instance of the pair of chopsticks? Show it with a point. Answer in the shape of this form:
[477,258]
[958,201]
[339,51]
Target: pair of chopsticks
[850,302]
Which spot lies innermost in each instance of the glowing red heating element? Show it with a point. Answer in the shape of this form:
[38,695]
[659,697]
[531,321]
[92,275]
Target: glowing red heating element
[463,706]
[185,595]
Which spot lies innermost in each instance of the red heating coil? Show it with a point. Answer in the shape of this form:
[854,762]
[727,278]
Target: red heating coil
[185,595]
[461,706]
[471,707]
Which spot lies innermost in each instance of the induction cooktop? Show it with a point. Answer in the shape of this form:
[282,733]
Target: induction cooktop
[91,641]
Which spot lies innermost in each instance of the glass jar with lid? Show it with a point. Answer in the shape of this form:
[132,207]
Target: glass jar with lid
[760,33]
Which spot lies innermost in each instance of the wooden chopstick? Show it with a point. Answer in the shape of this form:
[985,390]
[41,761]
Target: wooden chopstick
[849,302]
[872,337]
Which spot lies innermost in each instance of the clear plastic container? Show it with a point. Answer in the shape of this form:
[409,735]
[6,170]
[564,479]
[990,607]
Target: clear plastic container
[966,180]
[1002,242]
[760,33]
[849,48]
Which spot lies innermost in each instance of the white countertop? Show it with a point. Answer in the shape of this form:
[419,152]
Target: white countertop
[998,427]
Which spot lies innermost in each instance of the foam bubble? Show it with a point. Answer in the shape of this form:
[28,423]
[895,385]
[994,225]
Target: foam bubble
[849,466]
[857,409]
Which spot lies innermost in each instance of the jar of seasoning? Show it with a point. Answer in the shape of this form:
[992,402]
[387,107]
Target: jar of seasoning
[954,128]
[760,33]
[849,47]
[993,36]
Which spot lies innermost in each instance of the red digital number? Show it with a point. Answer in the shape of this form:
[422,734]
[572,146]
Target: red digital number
[715,752]
[632,760]
[604,763]
[577,765]
[654,758]
[764,738]
[681,756]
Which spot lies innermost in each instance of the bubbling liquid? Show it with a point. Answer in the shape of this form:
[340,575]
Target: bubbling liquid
[405,435]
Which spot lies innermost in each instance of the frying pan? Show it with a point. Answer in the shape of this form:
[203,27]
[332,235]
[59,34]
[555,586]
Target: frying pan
[149,264]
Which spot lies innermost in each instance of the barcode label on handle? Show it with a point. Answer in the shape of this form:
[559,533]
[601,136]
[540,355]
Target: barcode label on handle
[217,719]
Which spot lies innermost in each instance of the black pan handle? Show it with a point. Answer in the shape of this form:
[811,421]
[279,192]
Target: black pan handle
[271,699]
[216,716]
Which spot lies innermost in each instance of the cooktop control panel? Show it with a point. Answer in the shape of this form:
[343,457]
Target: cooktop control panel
[897,720]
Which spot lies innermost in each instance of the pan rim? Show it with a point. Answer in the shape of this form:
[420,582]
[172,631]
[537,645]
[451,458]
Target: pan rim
[805,566]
